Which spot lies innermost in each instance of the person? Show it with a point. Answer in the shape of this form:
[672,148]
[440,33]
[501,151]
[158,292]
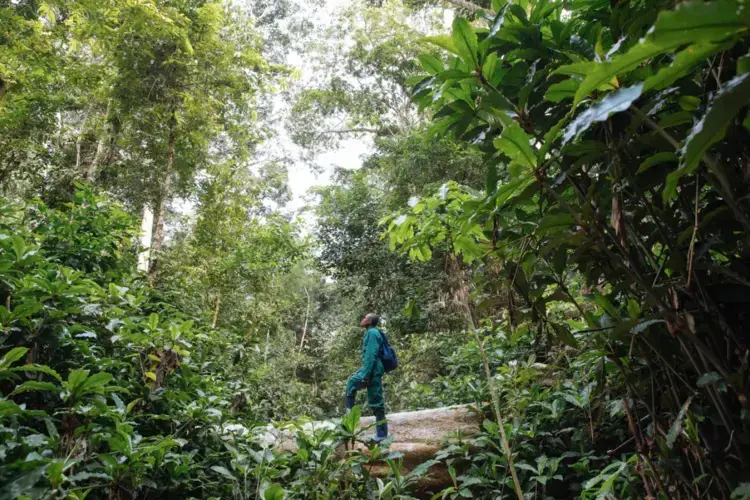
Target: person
[370,375]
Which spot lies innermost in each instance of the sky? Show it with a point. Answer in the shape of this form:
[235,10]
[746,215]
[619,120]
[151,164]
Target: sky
[350,152]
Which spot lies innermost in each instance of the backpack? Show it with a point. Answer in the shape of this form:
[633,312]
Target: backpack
[388,355]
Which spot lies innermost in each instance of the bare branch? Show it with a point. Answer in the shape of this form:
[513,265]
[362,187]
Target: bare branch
[356,130]
[463,4]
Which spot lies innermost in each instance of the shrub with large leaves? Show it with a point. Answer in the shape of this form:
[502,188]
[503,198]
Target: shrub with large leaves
[617,185]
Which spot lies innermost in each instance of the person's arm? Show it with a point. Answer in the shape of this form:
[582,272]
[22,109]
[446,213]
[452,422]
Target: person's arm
[372,348]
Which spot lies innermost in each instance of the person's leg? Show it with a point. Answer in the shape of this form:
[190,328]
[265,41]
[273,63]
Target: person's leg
[352,386]
[376,402]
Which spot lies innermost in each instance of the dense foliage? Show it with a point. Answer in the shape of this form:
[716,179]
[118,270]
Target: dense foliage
[552,220]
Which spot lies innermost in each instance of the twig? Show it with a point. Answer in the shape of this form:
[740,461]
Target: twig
[691,250]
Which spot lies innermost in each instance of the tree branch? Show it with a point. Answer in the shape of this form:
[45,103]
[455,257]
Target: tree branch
[463,4]
[355,130]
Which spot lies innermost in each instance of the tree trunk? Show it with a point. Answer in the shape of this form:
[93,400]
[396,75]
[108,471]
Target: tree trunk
[91,170]
[304,328]
[3,89]
[216,310]
[161,208]
[147,229]
[78,152]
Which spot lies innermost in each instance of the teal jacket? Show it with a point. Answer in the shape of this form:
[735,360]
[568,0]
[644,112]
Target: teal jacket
[372,366]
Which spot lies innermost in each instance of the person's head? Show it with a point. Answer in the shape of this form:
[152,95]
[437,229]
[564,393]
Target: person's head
[370,320]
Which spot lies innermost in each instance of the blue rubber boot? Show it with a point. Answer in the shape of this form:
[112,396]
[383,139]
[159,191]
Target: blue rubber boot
[350,400]
[381,430]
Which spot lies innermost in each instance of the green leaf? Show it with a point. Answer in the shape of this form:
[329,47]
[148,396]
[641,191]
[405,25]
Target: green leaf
[689,102]
[683,64]
[634,310]
[431,64]
[55,473]
[95,382]
[690,22]
[676,428]
[490,67]
[605,304]
[733,96]
[555,221]
[515,143]
[599,112]
[33,385]
[741,492]
[26,309]
[743,64]
[153,321]
[38,368]
[274,492]
[490,183]
[76,378]
[563,90]
[12,356]
[442,41]
[658,158]
[708,378]
[550,137]
[19,246]
[422,468]
[497,23]
[563,335]
[223,471]
[22,483]
[465,41]
[351,419]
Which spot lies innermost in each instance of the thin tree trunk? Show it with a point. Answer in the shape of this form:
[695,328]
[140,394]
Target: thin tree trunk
[268,339]
[216,310]
[307,315]
[100,146]
[3,89]
[463,298]
[147,229]
[78,152]
[162,205]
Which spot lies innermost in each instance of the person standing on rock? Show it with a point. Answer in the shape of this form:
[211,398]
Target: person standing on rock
[370,376]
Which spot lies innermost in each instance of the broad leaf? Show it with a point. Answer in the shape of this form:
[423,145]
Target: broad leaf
[676,428]
[497,23]
[515,143]
[599,112]
[708,378]
[658,158]
[563,90]
[563,335]
[691,22]
[96,382]
[274,492]
[40,369]
[442,41]
[683,64]
[12,356]
[33,385]
[76,378]
[19,246]
[431,64]
[465,41]
[732,97]
[223,471]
